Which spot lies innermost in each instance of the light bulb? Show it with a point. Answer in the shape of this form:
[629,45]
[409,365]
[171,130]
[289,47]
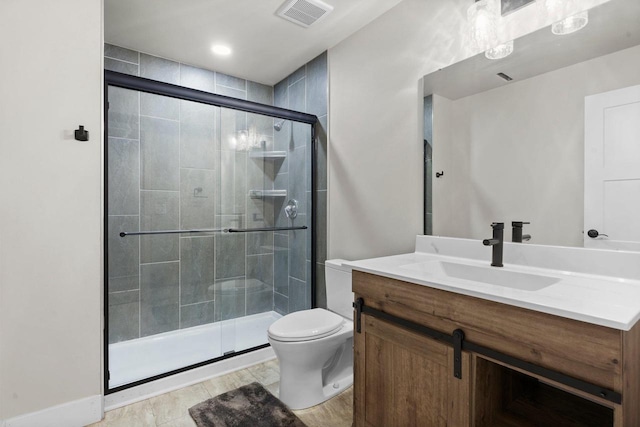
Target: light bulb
[482,17]
[500,51]
[563,14]
[571,24]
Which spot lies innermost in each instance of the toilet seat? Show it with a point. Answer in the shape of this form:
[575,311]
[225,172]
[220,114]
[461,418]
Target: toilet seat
[306,325]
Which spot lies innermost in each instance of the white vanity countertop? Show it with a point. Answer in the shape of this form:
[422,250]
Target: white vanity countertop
[594,298]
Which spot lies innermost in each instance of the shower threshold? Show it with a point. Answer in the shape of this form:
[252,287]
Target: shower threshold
[138,359]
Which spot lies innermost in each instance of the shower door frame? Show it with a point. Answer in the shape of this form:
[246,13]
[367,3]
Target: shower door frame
[141,84]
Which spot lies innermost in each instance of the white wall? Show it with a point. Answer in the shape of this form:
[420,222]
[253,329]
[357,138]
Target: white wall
[50,204]
[520,151]
[375,142]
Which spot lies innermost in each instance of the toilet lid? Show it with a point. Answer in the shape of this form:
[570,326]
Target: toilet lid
[305,325]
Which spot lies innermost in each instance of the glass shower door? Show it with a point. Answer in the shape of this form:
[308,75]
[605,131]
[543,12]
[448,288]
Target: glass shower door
[161,181]
[263,257]
[208,231]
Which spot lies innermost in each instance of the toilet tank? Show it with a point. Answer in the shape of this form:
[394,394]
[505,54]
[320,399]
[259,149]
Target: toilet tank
[338,282]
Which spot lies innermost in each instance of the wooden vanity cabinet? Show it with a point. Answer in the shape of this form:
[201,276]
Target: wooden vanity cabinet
[406,379]
[403,378]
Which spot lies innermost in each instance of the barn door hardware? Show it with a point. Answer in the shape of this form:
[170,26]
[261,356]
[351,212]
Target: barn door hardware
[459,344]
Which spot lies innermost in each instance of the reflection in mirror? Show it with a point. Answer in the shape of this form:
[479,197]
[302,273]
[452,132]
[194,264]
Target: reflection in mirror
[514,150]
[428,164]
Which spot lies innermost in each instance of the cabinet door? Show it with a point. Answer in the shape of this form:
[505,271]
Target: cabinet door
[405,379]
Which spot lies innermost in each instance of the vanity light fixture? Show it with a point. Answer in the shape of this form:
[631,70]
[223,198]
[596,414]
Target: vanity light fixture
[558,10]
[482,17]
[500,51]
[221,50]
[571,24]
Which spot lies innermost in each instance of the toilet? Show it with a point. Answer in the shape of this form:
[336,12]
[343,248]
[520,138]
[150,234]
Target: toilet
[315,347]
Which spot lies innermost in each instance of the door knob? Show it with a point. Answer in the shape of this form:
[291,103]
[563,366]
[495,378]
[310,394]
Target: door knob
[594,233]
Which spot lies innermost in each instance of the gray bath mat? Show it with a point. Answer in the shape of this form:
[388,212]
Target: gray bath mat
[247,406]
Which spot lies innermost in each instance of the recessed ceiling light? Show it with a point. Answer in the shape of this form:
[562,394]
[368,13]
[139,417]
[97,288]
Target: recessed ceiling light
[220,49]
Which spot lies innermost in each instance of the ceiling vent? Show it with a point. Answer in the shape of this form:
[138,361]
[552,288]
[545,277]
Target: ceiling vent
[304,12]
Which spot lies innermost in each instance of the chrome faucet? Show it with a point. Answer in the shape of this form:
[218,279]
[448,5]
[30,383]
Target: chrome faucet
[496,242]
[516,232]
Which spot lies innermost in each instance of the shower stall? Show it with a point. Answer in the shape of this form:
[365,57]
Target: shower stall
[209,237]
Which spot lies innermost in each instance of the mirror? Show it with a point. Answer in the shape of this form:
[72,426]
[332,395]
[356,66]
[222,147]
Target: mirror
[514,150]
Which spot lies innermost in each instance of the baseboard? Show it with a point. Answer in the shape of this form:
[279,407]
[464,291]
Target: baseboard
[71,414]
[185,379]
[91,409]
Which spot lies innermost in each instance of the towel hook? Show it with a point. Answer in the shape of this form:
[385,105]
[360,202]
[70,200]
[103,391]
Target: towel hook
[81,134]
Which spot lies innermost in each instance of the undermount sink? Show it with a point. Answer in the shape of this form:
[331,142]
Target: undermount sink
[491,275]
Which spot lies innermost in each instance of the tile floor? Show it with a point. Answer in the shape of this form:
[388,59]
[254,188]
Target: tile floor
[171,409]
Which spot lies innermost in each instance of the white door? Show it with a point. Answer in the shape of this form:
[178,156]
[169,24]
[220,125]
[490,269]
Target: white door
[612,170]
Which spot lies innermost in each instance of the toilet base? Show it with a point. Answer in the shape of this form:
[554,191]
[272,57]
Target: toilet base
[313,372]
[312,393]
[332,390]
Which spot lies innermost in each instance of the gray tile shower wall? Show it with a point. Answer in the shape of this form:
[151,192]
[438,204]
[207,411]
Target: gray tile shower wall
[178,164]
[197,78]
[198,135]
[124,264]
[124,114]
[159,211]
[159,153]
[304,90]
[159,297]
[124,177]
[196,270]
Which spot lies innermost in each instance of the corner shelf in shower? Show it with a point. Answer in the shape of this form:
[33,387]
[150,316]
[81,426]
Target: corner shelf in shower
[260,194]
[268,154]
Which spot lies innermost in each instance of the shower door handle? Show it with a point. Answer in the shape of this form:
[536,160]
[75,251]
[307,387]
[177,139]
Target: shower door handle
[217,230]
[145,233]
[253,230]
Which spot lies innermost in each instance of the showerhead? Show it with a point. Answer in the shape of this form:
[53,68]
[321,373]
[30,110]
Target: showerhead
[278,125]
